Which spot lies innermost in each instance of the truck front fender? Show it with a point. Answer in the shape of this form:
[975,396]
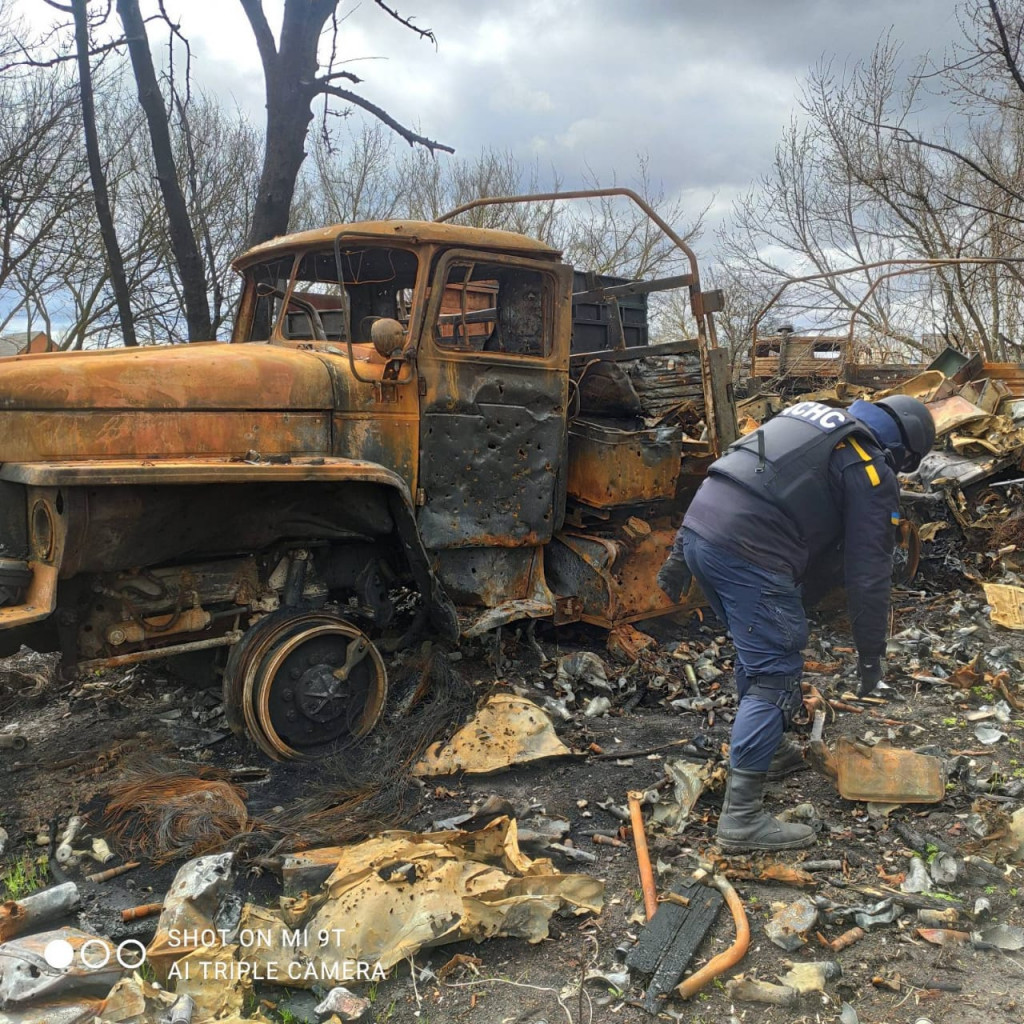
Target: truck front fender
[68,476]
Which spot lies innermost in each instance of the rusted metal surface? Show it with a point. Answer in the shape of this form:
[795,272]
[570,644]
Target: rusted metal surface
[614,576]
[399,416]
[718,402]
[302,681]
[907,556]
[125,472]
[1009,374]
[410,232]
[887,774]
[610,468]
[38,603]
[119,661]
[492,440]
[791,355]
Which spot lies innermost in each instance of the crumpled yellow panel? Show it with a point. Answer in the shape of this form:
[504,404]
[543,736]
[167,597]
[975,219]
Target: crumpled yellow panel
[924,387]
[956,412]
[1007,605]
[507,730]
[401,892]
[211,977]
[928,531]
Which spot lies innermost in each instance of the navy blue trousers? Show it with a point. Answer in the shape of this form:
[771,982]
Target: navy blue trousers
[765,616]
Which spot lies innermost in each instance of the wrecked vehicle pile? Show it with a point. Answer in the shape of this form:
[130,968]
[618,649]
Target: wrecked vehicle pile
[426,542]
[528,816]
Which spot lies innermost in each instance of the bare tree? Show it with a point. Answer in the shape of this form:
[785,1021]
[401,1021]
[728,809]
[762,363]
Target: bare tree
[855,183]
[291,67]
[43,177]
[97,175]
[187,256]
[363,178]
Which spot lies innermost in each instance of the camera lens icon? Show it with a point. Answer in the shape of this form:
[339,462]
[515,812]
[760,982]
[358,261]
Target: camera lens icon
[59,954]
[95,954]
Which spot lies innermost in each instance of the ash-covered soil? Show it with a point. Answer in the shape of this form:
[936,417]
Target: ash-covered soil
[947,663]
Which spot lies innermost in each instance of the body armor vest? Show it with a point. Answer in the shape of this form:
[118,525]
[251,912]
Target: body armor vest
[786,461]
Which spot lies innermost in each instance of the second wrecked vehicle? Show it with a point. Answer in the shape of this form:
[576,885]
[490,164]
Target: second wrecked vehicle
[399,413]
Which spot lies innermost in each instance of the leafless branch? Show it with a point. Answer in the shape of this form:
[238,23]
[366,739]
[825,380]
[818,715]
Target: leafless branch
[347,75]
[1004,45]
[175,32]
[382,115]
[423,33]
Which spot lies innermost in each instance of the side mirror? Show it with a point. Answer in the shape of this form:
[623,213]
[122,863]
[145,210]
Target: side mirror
[388,337]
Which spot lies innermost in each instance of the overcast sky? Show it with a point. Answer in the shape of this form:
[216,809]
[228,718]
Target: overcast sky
[703,88]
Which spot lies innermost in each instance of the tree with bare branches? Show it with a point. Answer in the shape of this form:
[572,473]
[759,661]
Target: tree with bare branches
[179,226]
[856,182]
[97,174]
[294,79]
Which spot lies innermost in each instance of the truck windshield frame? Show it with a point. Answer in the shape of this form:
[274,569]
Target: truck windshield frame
[331,294]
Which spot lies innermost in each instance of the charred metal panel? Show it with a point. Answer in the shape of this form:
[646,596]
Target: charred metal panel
[611,467]
[486,576]
[493,433]
[378,422]
[613,574]
[116,528]
[146,434]
[207,399]
[491,476]
[415,232]
[210,375]
[388,439]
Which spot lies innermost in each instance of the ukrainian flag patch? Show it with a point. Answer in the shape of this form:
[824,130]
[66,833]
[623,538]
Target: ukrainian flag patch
[895,518]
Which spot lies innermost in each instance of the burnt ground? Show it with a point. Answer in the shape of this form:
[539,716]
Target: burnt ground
[81,738]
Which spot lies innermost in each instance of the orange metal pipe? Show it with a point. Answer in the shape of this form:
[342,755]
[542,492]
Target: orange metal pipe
[732,956]
[643,858]
[146,910]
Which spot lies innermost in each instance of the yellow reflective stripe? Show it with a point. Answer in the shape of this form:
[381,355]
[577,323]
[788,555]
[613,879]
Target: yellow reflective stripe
[869,468]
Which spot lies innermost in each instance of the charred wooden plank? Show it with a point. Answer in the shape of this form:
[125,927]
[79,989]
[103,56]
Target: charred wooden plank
[669,941]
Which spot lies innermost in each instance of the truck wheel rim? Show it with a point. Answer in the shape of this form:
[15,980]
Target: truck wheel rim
[301,705]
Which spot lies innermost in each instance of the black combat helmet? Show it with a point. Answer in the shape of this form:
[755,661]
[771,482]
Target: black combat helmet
[917,428]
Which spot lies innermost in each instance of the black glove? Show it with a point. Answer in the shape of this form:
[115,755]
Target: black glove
[870,671]
[674,578]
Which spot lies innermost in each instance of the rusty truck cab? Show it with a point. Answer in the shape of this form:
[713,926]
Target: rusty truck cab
[449,356]
[399,415]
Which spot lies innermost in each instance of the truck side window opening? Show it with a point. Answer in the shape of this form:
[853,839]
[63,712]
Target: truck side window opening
[373,282]
[495,308]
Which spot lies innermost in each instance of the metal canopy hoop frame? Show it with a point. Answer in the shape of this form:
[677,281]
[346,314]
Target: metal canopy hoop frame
[702,304]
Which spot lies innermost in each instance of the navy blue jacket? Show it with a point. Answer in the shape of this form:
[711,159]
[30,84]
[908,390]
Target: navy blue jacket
[864,489]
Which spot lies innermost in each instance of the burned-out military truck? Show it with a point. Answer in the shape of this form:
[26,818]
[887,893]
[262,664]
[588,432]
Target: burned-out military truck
[398,439]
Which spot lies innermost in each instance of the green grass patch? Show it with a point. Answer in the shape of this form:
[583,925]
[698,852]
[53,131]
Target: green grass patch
[22,877]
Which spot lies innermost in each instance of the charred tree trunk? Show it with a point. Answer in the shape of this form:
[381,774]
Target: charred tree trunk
[115,262]
[290,72]
[183,240]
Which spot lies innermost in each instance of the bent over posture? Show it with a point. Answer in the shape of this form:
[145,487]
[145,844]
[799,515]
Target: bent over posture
[773,508]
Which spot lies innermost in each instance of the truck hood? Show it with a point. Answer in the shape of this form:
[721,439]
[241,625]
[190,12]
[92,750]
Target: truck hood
[164,401]
[211,375]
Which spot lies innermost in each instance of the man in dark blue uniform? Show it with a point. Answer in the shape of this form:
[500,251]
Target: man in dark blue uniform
[778,501]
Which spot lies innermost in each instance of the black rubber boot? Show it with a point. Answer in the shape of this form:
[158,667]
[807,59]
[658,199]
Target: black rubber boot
[745,825]
[788,759]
